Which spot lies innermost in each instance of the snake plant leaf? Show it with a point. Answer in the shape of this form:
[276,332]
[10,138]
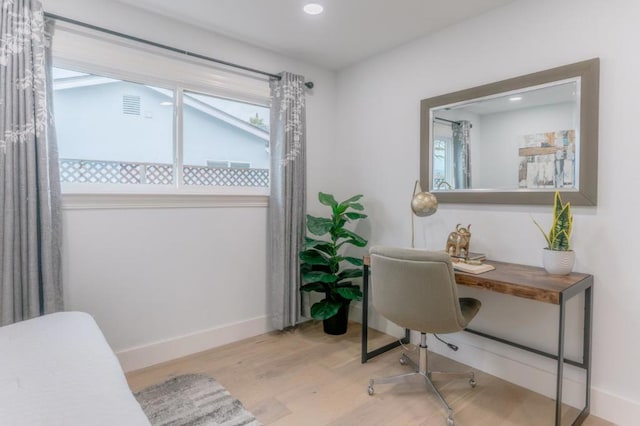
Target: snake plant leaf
[319,276]
[314,257]
[356,261]
[350,293]
[327,199]
[313,287]
[319,225]
[546,237]
[560,229]
[324,309]
[349,273]
[559,234]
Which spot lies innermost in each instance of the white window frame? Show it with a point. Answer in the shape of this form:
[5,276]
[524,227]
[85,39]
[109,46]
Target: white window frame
[98,54]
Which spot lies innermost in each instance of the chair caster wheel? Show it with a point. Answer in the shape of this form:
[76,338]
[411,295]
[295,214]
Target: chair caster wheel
[472,382]
[403,360]
[449,421]
[370,390]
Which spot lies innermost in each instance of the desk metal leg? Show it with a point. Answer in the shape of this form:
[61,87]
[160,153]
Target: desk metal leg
[561,323]
[365,313]
[586,353]
[586,342]
[365,354]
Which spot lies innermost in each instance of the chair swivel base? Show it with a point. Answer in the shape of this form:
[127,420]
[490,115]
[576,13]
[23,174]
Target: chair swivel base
[422,371]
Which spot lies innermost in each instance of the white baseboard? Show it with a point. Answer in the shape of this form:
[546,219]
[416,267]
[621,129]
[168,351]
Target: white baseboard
[167,350]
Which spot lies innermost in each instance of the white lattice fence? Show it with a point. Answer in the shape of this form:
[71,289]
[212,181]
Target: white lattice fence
[198,175]
[90,171]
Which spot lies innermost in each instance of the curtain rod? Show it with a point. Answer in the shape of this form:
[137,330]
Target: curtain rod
[448,121]
[308,84]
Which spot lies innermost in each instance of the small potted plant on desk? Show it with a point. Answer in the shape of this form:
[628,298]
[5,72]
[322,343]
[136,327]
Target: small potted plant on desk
[322,263]
[557,257]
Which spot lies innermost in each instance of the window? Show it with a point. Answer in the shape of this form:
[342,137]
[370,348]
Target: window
[442,157]
[237,132]
[128,117]
[111,131]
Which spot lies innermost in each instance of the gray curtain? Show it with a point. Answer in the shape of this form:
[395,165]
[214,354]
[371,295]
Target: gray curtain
[287,204]
[30,267]
[461,154]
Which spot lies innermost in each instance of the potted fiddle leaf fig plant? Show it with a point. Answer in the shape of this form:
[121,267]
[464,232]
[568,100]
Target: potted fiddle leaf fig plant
[324,266]
[557,257]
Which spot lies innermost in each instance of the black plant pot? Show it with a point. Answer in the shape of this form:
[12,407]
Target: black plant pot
[337,324]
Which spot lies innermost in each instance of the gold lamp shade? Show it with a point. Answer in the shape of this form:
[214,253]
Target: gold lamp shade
[422,204]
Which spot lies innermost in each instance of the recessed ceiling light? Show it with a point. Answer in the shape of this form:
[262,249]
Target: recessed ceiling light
[515,98]
[166,103]
[313,8]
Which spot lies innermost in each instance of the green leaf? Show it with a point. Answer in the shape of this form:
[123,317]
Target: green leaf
[561,229]
[349,273]
[356,206]
[353,238]
[314,287]
[354,215]
[324,309]
[357,261]
[352,199]
[319,276]
[546,237]
[314,257]
[351,293]
[312,242]
[318,225]
[327,199]
[319,245]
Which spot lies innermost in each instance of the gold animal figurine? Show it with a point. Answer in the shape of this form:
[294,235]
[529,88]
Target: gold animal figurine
[458,241]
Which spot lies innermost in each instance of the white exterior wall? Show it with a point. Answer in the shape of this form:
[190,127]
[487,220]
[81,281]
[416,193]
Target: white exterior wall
[379,151]
[90,125]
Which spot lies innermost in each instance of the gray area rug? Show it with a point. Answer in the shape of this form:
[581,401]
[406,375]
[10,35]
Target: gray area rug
[193,399]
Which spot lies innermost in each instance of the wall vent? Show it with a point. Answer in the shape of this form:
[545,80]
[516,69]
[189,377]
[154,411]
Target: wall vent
[131,104]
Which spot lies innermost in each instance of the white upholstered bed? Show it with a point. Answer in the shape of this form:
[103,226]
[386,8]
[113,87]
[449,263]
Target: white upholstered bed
[59,370]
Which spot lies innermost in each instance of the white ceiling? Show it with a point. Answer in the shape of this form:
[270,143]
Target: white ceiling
[347,32]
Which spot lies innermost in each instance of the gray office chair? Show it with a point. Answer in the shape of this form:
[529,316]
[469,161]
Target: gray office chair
[416,289]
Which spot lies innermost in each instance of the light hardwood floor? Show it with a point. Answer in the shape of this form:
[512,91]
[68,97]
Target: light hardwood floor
[304,377]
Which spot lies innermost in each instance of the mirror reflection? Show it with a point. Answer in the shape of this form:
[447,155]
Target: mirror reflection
[526,139]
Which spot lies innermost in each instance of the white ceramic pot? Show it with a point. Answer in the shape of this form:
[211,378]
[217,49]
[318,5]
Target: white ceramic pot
[558,262]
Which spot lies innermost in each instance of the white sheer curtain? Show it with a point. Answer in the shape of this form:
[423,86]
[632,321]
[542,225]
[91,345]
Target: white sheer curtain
[462,153]
[30,222]
[287,204]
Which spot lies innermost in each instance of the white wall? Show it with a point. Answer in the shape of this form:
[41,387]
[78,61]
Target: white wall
[165,282]
[501,136]
[379,149]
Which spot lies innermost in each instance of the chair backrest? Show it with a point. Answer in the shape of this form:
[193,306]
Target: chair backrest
[415,289]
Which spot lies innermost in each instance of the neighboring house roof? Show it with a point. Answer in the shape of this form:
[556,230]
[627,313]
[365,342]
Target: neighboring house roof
[76,80]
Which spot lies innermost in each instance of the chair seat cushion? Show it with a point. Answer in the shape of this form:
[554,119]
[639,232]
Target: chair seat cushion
[469,308]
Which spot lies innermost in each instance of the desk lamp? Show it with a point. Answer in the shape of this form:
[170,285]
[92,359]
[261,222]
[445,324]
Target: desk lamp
[422,204]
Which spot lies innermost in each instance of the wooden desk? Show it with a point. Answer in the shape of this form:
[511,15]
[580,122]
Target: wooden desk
[527,282]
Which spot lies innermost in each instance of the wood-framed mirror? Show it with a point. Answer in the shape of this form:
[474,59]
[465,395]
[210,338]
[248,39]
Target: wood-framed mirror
[515,141]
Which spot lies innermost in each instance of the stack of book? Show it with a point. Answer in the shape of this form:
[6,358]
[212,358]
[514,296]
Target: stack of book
[472,264]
